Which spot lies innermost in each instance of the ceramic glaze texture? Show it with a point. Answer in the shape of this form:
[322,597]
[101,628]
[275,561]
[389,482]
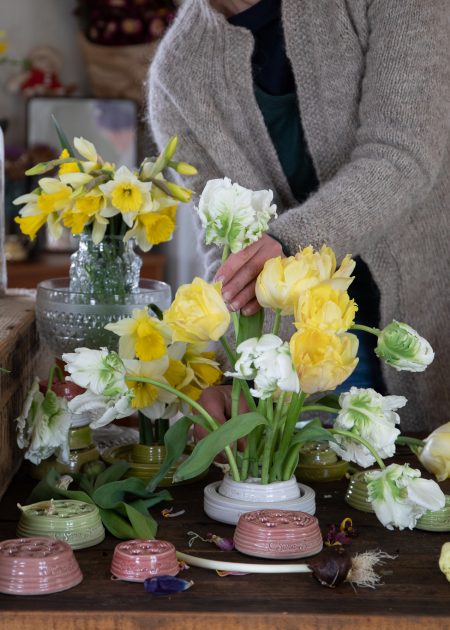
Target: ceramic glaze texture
[37,566]
[75,522]
[278,534]
[137,560]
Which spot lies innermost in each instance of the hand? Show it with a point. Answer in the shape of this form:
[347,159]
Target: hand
[217,402]
[239,272]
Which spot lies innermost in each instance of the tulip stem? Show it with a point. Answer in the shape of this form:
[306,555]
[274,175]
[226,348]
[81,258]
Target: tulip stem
[405,440]
[358,438]
[369,329]
[51,374]
[195,405]
[320,408]
[225,252]
[276,322]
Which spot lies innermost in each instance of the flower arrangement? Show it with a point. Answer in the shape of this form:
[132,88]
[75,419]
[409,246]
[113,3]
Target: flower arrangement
[124,22]
[159,368]
[90,194]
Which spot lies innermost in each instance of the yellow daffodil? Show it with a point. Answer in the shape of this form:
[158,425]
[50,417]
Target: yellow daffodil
[141,336]
[151,228]
[146,395]
[67,167]
[125,191]
[44,208]
[326,309]
[88,151]
[82,212]
[323,361]
[198,313]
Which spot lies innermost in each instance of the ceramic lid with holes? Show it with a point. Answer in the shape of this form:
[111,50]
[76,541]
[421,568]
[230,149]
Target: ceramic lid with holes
[37,566]
[75,522]
[137,560]
[278,534]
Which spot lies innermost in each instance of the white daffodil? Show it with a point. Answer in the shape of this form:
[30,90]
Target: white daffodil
[101,371]
[403,348]
[232,215]
[87,150]
[104,409]
[43,426]
[125,191]
[76,179]
[268,361]
[399,497]
[369,415]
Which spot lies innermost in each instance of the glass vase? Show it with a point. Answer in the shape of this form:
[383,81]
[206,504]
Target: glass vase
[107,270]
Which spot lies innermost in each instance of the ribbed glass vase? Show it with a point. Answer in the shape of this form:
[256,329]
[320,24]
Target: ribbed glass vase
[107,270]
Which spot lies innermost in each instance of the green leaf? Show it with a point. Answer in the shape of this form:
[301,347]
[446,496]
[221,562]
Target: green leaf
[312,432]
[175,442]
[64,142]
[46,489]
[250,326]
[144,526]
[145,504]
[112,473]
[206,450]
[116,524]
[110,494]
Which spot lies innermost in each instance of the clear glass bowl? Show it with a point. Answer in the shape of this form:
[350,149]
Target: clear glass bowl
[69,319]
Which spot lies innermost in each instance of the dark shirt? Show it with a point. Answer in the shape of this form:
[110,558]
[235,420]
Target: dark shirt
[276,95]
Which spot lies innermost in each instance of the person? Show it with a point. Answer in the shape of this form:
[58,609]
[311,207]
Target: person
[343,110]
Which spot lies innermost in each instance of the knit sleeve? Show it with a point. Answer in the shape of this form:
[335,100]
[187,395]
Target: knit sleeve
[403,134]
[165,119]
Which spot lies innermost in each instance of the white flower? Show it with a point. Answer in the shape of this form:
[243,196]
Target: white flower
[106,409]
[232,215]
[369,415]
[43,426]
[403,348]
[268,361]
[101,371]
[399,497]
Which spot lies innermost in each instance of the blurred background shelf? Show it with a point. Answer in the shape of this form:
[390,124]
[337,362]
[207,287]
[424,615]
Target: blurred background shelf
[27,274]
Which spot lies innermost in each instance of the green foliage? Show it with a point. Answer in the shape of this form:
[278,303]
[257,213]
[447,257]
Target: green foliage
[123,503]
[206,450]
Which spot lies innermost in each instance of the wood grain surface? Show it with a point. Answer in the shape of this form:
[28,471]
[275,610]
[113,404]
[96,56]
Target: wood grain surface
[414,593]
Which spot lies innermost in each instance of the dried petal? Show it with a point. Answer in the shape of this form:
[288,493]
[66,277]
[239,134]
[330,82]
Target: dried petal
[169,513]
[226,544]
[166,584]
[347,528]
[336,537]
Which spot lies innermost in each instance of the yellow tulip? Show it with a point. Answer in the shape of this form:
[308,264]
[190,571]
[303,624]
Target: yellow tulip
[326,309]
[322,264]
[435,455]
[281,281]
[198,313]
[323,361]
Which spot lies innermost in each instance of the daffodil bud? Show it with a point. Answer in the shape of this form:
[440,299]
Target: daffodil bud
[183,168]
[179,192]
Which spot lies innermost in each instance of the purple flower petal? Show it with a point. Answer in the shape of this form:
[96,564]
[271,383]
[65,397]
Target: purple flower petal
[166,584]
[225,544]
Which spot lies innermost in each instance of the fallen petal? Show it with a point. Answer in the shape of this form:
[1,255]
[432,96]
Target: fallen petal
[166,584]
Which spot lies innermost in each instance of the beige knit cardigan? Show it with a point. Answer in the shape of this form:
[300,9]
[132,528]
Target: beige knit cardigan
[373,83]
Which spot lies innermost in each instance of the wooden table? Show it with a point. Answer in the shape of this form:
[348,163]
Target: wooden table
[414,593]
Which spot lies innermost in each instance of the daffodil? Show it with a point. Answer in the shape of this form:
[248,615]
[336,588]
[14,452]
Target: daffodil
[323,361]
[153,227]
[148,398]
[67,167]
[125,191]
[85,209]
[141,336]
